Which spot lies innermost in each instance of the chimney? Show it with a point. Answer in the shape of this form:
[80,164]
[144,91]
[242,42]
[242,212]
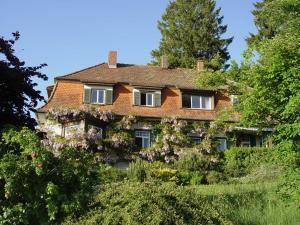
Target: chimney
[112,59]
[164,62]
[200,65]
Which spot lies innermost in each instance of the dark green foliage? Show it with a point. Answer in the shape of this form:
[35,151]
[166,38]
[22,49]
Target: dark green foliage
[38,187]
[109,174]
[191,30]
[18,98]
[240,161]
[149,203]
[214,177]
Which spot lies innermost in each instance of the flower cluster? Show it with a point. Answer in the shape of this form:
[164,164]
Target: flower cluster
[64,115]
[172,136]
[121,140]
[91,140]
[127,122]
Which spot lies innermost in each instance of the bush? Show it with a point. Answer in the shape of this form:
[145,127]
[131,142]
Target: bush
[150,203]
[214,177]
[38,187]
[137,171]
[109,174]
[240,161]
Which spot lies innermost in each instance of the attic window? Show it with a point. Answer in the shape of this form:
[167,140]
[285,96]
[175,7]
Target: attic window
[98,94]
[151,98]
[194,101]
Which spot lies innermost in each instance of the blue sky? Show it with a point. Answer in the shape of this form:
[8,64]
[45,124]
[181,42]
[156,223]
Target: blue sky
[71,35]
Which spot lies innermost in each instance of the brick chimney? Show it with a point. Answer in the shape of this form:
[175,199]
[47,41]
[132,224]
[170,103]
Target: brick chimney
[164,62]
[112,59]
[200,65]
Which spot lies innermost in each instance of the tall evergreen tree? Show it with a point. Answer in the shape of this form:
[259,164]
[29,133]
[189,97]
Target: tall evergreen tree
[191,30]
[18,96]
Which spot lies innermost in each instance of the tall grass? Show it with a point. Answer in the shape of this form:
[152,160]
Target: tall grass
[251,204]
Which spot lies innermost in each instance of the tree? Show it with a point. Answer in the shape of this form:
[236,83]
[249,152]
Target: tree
[191,30]
[270,16]
[18,96]
[269,77]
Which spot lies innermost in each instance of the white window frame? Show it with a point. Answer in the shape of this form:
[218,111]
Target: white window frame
[152,94]
[200,102]
[98,90]
[141,134]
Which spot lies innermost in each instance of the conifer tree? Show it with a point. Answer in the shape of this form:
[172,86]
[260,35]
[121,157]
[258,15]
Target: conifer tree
[191,30]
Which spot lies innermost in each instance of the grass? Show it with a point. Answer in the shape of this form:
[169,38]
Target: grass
[251,204]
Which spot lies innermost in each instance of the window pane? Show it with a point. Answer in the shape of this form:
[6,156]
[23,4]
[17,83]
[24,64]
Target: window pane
[146,142]
[206,103]
[143,98]
[94,96]
[139,142]
[100,96]
[222,145]
[196,102]
[149,99]
[142,133]
[186,100]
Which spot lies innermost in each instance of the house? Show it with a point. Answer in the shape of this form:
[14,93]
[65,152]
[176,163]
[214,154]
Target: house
[148,92]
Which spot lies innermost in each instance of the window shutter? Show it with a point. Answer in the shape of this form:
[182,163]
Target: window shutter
[157,98]
[136,97]
[212,102]
[108,96]
[87,95]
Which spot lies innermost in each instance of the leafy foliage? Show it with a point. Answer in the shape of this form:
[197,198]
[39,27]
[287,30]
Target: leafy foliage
[149,203]
[38,187]
[18,96]
[191,30]
[240,161]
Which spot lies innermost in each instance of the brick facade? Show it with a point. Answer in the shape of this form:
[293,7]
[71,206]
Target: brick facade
[70,94]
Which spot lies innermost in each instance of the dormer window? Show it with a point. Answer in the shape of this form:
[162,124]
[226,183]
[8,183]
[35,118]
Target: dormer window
[98,94]
[195,101]
[150,98]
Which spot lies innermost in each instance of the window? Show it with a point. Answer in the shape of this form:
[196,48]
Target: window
[144,97]
[147,99]
[142,139]
[70,129]
[245,141]
[222,144]
[235,99]
[195,140]
[200,102]
[98,96]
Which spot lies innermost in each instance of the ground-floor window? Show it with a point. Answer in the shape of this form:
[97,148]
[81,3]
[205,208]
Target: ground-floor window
[195,140]
[222,144]
[142,139]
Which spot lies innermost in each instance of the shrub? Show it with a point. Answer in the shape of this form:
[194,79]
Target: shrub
[109,174]
[137,171]
[150,203]
[240,161]
[214,177]
[38,187]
